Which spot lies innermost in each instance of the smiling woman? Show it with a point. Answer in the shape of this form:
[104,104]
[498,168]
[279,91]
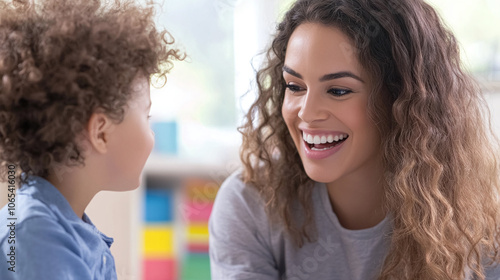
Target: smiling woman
[334,105]
[366,154]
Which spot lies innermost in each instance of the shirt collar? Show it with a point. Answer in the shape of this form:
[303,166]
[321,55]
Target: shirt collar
[47,193]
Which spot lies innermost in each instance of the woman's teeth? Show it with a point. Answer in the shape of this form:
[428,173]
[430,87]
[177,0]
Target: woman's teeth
[323,139]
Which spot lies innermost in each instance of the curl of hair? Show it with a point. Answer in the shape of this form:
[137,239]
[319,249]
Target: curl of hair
[60,61]
[439,151]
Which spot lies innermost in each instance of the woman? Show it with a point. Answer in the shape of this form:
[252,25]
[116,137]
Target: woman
[366,154]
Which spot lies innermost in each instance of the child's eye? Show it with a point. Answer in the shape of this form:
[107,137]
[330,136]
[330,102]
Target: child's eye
[339,91]
[293,88]
[149,117]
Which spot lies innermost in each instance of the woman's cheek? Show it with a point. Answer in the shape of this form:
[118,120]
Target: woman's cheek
[291,107]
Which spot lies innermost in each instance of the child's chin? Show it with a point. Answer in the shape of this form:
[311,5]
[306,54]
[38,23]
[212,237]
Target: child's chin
[123,187]
[130,188]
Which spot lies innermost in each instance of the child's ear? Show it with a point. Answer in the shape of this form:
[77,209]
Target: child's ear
[99,128]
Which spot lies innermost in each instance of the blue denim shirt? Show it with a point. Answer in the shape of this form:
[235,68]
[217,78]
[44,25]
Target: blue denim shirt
[51,241]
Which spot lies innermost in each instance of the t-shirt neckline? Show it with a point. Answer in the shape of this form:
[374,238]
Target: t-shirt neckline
[373,232]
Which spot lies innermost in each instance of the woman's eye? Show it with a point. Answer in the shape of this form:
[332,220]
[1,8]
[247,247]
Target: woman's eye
[339,91]
[293,88]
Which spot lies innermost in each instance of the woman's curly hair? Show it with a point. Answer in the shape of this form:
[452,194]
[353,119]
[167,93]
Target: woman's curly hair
[60,61]
[440,154]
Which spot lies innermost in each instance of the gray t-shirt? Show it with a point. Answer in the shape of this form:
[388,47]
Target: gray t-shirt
[245,245]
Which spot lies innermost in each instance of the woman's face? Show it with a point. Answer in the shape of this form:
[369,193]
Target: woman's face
[325,105]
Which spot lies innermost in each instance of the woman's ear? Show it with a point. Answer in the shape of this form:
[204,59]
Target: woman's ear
[99,128]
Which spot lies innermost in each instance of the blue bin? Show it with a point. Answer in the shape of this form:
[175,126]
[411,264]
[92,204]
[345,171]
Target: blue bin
[159,205]
[165,137]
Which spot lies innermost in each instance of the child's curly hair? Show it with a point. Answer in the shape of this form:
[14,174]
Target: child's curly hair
[60,61]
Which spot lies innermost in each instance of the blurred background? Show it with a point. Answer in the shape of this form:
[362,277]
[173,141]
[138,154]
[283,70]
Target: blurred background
[160,229]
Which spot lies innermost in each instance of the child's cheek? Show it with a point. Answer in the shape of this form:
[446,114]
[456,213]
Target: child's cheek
[151,141]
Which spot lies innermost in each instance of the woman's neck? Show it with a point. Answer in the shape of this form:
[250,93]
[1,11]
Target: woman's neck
[357,199]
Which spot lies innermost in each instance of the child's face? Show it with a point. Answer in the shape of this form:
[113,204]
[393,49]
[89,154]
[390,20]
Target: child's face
[132,140]
[326,101]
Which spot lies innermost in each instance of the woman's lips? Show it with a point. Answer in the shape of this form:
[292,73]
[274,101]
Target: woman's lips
[321,151]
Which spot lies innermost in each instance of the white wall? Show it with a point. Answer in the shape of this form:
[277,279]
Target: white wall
[118,215]
[494,104]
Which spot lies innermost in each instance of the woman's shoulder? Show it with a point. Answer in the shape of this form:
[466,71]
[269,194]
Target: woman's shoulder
[240,242]
[233,183]
[236,197]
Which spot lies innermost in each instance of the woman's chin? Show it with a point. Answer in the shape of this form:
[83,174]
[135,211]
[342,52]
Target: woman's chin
[322,175]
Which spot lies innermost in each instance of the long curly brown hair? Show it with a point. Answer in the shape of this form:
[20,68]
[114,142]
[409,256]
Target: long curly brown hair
[60,61]
[439,151]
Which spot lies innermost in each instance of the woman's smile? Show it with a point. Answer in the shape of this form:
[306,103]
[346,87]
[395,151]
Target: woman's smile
[326,106]
[322,144]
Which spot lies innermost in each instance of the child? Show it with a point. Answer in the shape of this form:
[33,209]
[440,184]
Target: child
[365,155]
[74,105]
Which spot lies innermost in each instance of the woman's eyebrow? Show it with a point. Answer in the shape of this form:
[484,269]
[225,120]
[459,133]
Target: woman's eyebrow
[291,72]
[338,75]
[327,77]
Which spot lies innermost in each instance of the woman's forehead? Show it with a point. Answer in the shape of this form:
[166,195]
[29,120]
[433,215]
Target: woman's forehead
[319,49]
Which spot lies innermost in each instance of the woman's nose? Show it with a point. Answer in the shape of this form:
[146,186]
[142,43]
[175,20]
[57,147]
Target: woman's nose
[313,108]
